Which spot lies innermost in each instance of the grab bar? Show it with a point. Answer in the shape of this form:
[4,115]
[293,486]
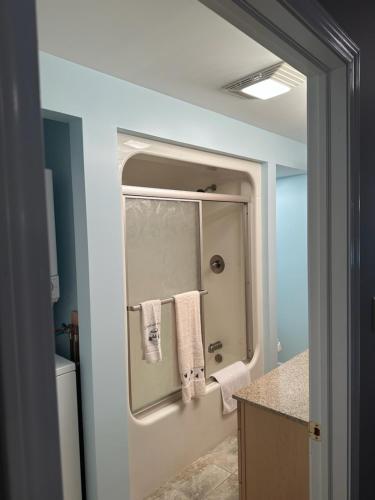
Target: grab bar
[164,301]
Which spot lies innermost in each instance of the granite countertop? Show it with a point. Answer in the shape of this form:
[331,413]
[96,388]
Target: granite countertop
[284,390]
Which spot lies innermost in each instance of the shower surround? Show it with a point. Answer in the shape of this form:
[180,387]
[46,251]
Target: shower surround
[170,238]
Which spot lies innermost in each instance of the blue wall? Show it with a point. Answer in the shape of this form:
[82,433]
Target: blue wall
[57,157]
[292,286]
[96,105]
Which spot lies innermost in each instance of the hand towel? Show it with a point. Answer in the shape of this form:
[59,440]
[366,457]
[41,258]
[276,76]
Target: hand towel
[150,323]
[189,345]
[231,379]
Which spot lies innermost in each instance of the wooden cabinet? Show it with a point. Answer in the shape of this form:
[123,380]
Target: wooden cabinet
[273,433]
[273,455]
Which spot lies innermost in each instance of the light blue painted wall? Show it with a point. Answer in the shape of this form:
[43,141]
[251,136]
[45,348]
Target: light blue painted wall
[57,156]
[269,266]
[292,286]
[101,105]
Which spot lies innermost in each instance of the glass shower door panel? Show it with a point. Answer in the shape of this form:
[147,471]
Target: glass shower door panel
[225,305]
[162,259]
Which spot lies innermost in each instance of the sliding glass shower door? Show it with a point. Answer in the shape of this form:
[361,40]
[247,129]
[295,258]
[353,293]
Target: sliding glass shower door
[163,251]
[224,274]
[174,246]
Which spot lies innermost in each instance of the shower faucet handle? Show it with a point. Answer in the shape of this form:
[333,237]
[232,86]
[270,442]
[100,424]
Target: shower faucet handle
[215,346]
[217,264]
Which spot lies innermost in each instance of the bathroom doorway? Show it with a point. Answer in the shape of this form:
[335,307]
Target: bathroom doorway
[108,100]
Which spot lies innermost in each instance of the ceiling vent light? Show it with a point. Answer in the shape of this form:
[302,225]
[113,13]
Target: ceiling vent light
[267,83]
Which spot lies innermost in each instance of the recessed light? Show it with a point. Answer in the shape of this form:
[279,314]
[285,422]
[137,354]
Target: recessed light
[267,83]
[136,144]
[266,89]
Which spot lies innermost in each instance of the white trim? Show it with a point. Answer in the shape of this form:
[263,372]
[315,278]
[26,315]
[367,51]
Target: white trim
[318,281]
[338,246]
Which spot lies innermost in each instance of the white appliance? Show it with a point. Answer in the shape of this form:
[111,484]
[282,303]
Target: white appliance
[68,428]
[55,288]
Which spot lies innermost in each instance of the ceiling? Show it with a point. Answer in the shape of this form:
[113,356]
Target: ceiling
[177,47]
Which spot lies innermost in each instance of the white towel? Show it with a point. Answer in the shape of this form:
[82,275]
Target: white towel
[189,345]
[150,322]
[231,379]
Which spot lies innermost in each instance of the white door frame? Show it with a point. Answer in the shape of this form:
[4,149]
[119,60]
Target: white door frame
[302,33]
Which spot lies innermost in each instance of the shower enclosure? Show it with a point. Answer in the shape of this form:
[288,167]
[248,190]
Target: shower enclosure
[178,241]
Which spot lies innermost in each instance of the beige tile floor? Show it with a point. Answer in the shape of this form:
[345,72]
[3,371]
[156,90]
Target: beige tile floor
[212,477]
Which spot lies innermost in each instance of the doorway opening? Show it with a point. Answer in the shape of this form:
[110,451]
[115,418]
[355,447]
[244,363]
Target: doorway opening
[192,102]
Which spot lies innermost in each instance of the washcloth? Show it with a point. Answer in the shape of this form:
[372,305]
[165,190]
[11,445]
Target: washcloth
[150,323]
[189,345]
[231,379]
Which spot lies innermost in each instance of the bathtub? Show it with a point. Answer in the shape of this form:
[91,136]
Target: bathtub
[163,443]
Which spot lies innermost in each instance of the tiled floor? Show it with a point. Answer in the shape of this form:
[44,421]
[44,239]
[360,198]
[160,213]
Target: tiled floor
[212,477]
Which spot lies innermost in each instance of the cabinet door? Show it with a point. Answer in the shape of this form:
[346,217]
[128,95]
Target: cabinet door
[275,451]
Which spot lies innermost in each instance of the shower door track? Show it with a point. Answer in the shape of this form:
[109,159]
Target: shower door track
[182,195]
[197,196]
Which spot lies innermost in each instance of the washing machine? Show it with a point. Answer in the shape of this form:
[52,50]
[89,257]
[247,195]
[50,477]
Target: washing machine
[68,428]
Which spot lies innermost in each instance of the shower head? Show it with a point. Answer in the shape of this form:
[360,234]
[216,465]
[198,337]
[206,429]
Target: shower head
[211,188]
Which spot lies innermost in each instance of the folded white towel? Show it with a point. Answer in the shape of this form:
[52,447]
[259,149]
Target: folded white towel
[150,314]
[231,379]
[189,345]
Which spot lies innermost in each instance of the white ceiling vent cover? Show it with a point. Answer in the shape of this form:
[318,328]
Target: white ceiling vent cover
[269,82]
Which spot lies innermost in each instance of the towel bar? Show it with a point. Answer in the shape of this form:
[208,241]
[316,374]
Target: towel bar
[164,301]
